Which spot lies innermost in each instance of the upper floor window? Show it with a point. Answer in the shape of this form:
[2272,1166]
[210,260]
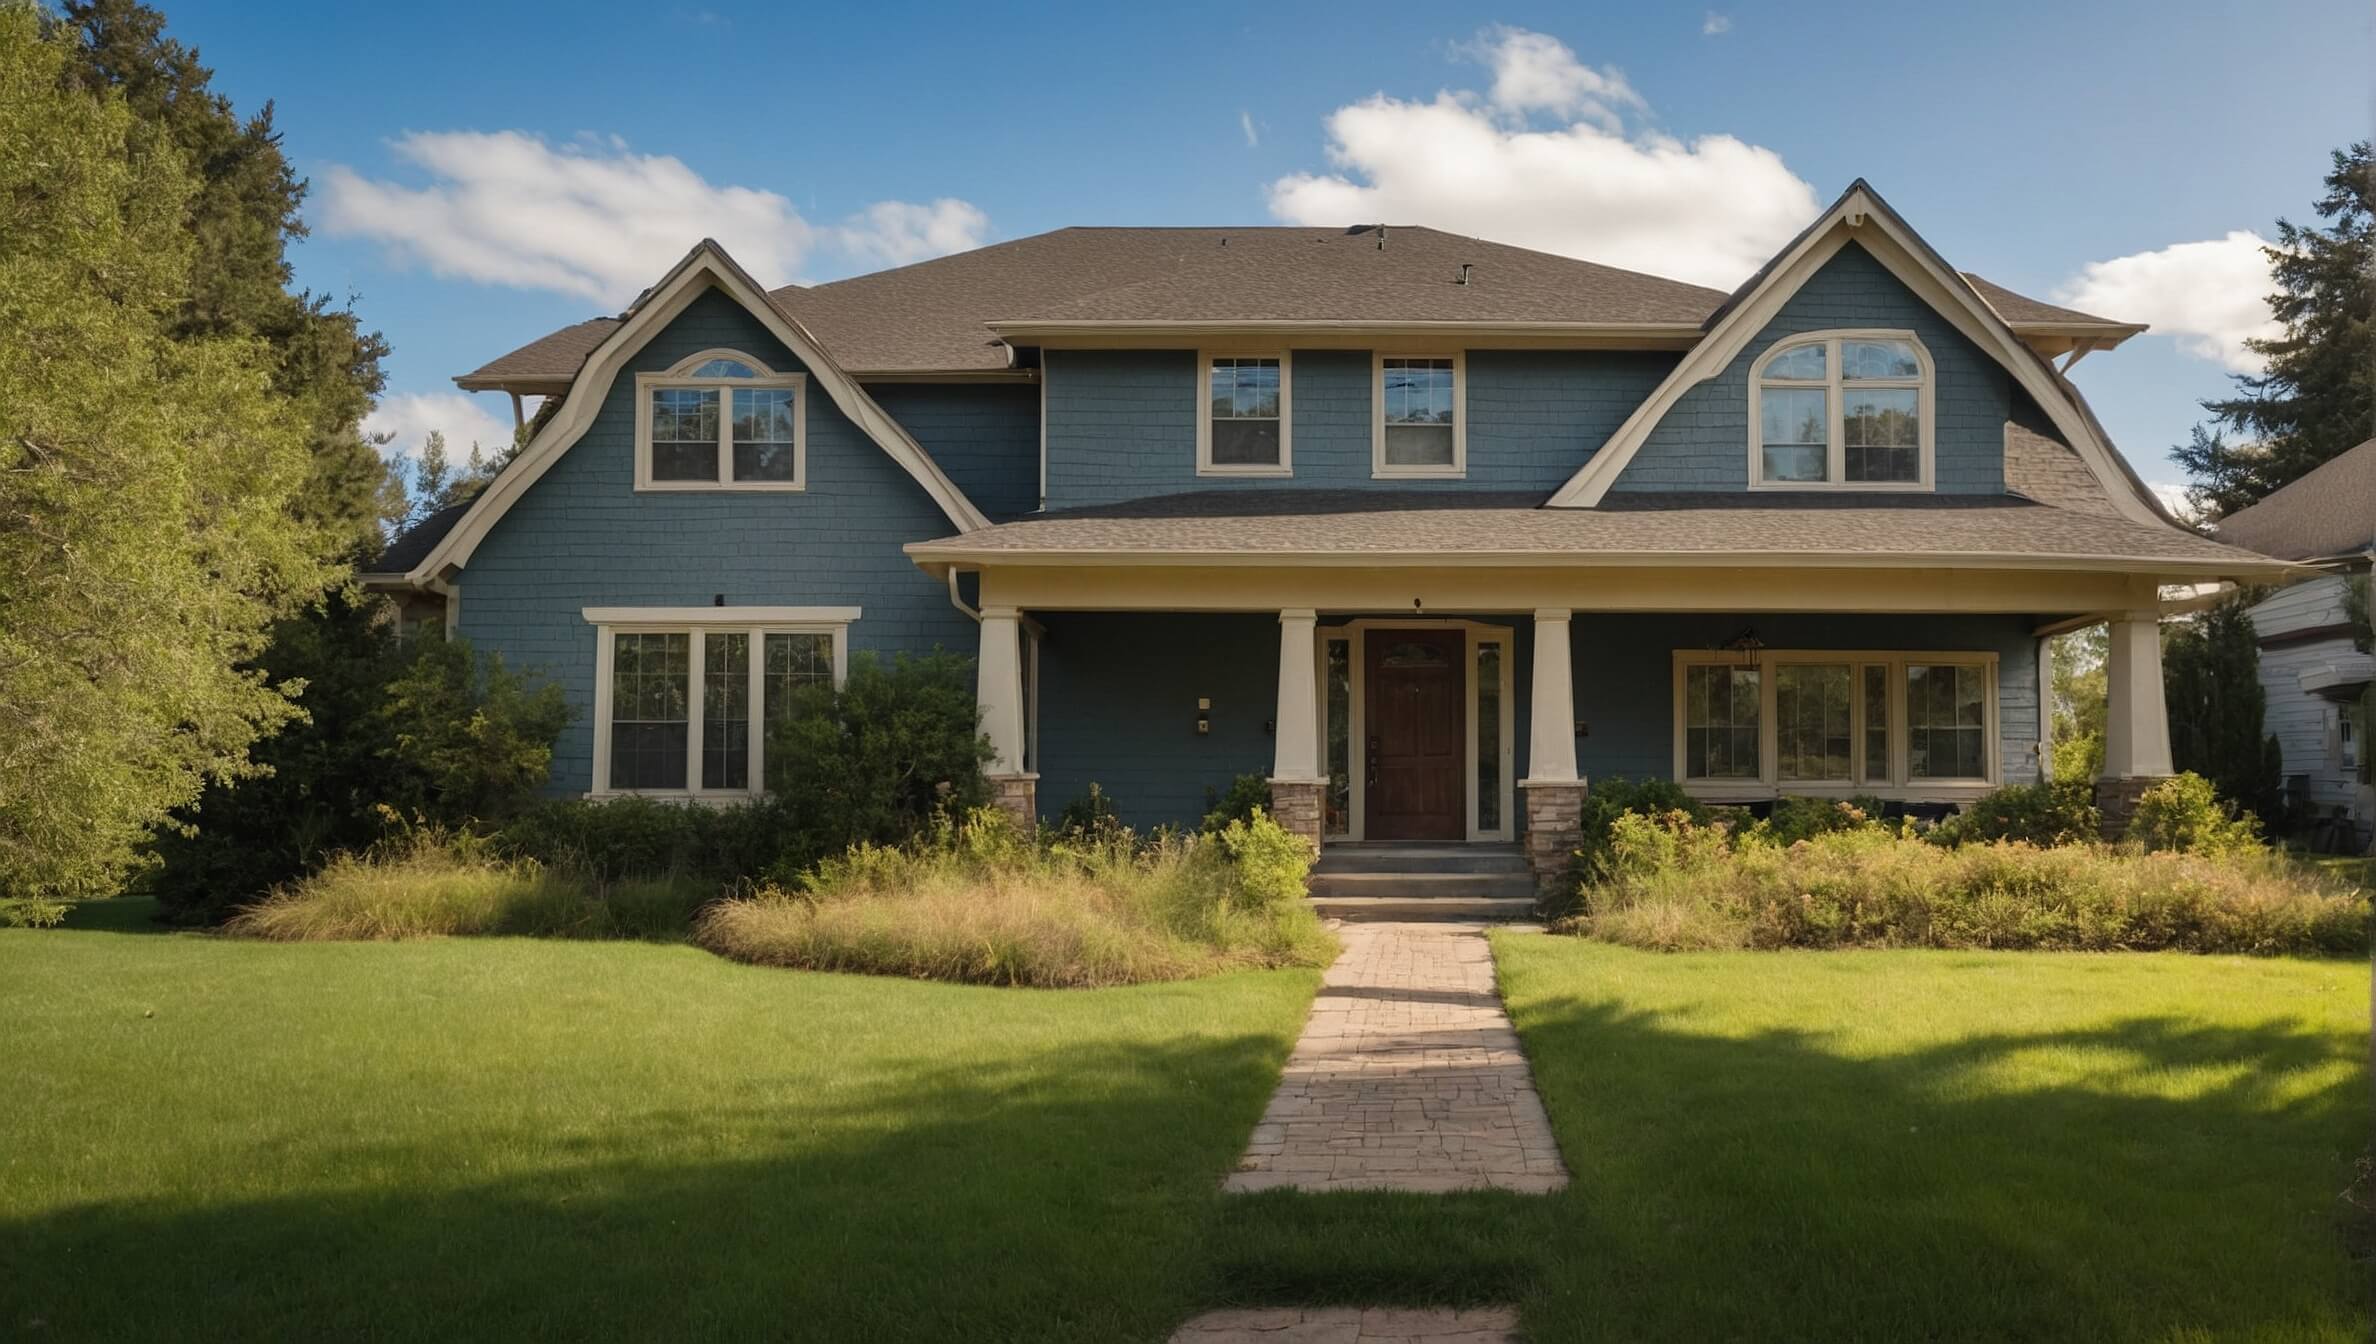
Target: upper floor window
[1842,410]
[1242,424]
[1420,429]
[721,420]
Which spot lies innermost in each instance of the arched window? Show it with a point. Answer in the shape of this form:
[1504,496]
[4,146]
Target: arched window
[721,420]
[1847,410]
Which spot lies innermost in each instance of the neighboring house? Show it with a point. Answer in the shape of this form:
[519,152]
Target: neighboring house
[2317,681]
[1428,530]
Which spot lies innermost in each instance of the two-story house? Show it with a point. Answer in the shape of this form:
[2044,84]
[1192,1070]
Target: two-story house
[1429,530]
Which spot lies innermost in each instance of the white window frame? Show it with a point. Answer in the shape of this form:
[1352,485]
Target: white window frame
[1832,384]
[1205,466]
[1899,784]
[681,376]
[698,622]
[1380,469]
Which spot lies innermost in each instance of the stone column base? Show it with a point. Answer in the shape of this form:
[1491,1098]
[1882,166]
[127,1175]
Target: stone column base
[2116,801]
[1554,826]
[1018,797]
[1295,805]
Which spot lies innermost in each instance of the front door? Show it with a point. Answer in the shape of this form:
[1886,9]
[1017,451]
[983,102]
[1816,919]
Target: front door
[1417,742]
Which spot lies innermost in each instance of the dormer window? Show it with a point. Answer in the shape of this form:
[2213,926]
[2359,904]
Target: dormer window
[1845,410]
[1243,418]
[721,420]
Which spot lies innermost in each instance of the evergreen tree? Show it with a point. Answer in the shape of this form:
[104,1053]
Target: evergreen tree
[2211,677]
[2318,396]
[150,481]
[241,218]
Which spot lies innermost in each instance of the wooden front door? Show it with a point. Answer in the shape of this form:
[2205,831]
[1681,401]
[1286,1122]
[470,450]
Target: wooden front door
[1416,737]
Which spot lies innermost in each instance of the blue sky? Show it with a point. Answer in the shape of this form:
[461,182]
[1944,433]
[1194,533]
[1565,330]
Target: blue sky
[2029,142]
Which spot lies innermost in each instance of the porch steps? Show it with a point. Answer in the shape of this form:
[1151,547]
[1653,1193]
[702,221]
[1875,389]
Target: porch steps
[1392,880]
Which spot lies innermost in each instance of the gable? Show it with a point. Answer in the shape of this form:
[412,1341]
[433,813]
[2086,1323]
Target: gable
[1701,442]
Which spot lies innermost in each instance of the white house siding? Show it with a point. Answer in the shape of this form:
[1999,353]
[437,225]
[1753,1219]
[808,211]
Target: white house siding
[2304,724]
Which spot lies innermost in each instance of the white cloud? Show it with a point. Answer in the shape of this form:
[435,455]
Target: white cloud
[1710,210]
[1246,124]
[2211,295]
[465,420]
[594,218]
[2173,496]
[1715,25]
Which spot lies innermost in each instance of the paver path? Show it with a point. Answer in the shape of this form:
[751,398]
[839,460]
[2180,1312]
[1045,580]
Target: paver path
[1407,1077]
[1352,1325]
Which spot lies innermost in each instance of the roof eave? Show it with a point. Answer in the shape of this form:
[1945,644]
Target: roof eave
[951,551]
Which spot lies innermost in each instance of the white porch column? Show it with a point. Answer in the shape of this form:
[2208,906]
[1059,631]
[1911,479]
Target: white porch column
[1551,746]
[1000,694]
[2136,717]
[1296,780]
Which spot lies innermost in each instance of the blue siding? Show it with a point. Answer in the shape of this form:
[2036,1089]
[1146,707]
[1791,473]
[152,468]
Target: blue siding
[1122,424]
[1703,441]
[582,537]
[985,436]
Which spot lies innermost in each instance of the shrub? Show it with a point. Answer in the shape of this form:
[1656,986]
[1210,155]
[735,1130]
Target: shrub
[439,886]
[2079,757]
[978,901]
[618,838]
[2050,812]
[1247,795]
[2184,813]
[1796,819]
[1091,813]
[1676,884]
[1610,799]
[871,761]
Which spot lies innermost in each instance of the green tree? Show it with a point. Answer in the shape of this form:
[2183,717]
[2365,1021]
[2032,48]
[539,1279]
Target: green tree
[2318,396]
[2211,677]
[2079,702]
[439,482]
[150,480]
[241,217]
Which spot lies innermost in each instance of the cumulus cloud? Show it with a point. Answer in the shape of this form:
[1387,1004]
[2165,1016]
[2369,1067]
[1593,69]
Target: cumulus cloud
[2211,295]
[1546,160]
[596,219]
[408,418]
[1715,25]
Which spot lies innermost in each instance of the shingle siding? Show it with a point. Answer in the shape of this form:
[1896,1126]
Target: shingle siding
[1702,443]
[582,536]
[985,436]
[1122,424]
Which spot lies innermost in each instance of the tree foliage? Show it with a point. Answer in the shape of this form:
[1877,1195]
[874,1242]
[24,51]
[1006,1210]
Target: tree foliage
[874,758]
[2211,677]
[2318,395]
[2080,697]
[149,486]
[240,216]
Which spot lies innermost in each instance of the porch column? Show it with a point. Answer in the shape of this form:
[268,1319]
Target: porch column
[1295,779]
[1000,696]
[2136,719]
[1554,795]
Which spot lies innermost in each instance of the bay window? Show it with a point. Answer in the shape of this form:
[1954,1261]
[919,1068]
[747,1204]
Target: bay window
[683,697]
[1801,721]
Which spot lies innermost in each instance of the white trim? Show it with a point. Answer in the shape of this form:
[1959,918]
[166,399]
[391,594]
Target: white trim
[1204,414]
[953,552]
[1834,386]
[1356,635]
[697,623]
[681,376]
[706,267]
[1900,782]
[1379,468]
[1898,248]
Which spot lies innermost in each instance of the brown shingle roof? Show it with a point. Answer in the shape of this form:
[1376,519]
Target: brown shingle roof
[2331,511]
[934,316]
[2019,310]
[1478,524]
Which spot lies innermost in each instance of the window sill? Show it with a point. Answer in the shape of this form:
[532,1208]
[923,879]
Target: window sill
[1245,471]
[1754,791]
[715,488]
[1418,473]
[704,798]
[1875,487]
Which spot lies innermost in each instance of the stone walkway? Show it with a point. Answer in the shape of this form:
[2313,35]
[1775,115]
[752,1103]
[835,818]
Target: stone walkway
[1352,1325]
[1407,1077]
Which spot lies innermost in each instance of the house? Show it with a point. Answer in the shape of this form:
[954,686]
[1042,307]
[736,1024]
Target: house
[2316,679]
[1429,530]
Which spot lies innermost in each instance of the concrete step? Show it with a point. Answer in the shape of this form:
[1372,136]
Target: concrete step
[1417,858]
[1474,909]
[1424,886]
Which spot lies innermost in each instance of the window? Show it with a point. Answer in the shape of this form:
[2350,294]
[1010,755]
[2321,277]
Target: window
[1784,721]
[1841,409]
[1338,672]
[1243,428]
[720,421]
[1489,736]
[1420,428]
[653,733]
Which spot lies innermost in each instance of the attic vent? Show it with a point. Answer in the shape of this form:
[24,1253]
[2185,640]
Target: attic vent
[1465,268]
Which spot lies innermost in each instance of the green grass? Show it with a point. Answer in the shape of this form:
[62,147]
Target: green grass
[509,1139]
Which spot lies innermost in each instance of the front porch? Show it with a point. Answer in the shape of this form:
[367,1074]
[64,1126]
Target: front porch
[1481,725]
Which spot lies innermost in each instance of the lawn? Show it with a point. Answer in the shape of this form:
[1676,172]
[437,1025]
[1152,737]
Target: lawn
[493,1138]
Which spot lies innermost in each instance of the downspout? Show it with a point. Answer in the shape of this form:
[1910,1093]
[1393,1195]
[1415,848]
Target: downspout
[973,614]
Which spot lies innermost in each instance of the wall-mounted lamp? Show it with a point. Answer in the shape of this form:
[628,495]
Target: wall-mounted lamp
[1204,716]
